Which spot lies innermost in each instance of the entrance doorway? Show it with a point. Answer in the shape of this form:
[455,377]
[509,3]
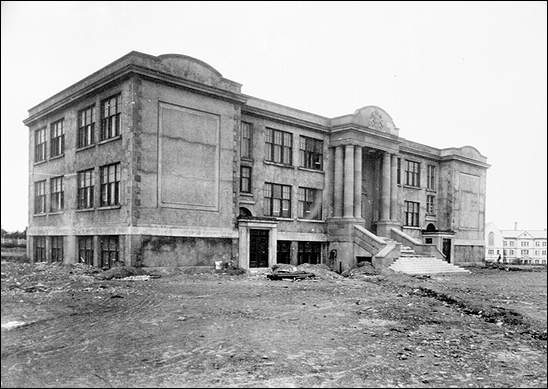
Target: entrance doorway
[446,249]
[258,248]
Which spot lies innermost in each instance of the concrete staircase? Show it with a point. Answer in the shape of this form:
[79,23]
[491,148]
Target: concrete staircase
[411,263]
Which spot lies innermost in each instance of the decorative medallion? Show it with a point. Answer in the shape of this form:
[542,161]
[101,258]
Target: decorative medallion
[375,121]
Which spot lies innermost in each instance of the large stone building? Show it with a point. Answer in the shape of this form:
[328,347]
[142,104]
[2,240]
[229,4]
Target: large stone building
[161,161]
[515,246]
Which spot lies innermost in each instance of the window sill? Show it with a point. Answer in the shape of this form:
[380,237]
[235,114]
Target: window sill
[84,210]
[57,157]
[245,159]
[412,227]
[411,187]
[431,190]
[279,164]
[310,220]
[40,162]
[85,147]
[246,194]
[311,170]
[284,219]
[56,213]
[109,140]
[107,207]
[40,214]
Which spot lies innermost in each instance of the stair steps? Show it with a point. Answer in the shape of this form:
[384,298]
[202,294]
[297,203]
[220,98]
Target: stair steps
[410,262]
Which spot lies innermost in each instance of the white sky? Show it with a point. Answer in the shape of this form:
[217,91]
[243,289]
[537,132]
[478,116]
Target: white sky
[449,74]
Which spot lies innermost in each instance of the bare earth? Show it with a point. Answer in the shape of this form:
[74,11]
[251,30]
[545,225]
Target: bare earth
[486,329]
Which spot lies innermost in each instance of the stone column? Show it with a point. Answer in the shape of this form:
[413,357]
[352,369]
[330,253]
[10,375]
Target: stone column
[338,182]
[394,189]
[358,181]
[385,187]
[96,251]
[349,181]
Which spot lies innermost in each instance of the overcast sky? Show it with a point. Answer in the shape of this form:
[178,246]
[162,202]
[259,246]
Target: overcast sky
[449,74]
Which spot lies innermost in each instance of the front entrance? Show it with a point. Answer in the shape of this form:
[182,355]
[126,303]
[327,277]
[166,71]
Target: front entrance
[446,249]
[258,248]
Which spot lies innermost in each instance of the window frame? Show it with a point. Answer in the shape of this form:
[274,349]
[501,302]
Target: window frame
[110,189]
[39,250]
[106,249]
[411,213]
[112,119]
[57,138]
[84,251]
[307,250]
[431,177]
[430,204]
[305,204]
[285,150]
[40,197]
[246,142]
[57,194]
[56,249]
[311,153]
[40,148]
[245,179]
[273,189]
[85,193]
[412,176]
[86,128]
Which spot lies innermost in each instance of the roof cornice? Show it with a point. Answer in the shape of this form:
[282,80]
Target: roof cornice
[277,117]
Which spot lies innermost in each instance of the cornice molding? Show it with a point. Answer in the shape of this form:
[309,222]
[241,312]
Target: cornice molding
[277,117]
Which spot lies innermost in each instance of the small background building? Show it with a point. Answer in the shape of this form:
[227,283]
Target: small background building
[515,246]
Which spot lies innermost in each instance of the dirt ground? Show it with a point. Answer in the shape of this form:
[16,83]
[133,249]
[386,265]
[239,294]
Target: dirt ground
[485,329]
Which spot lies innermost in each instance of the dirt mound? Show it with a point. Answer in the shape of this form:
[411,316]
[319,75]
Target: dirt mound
[364,270]
[119,272]
[320,271]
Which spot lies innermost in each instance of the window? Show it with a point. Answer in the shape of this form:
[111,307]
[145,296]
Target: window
[491,239]
[537,243]
[310,203]
[431,181]
[536,253]
[110,117]
[39,248]
[57,194]
[277,200]
[309,252]
[86,185]
[512,243]
[543,252]
[524,244]
[283,252]
[246,145]
[398,176]
[524,252]
[109,250]
[412,173]
[245,179]
[110,185]
[411,214]
[504,252]
[490,252]
[311,151]
[85,250]
[86,126]
[278,146]
[511,252]
[543,244]
[40,145]
[498,251]
[40,197]
[57,249]
[57,135]
[505,243]
[430,205]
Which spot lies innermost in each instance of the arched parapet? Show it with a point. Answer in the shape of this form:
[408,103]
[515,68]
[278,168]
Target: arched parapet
[375,118]
[467,152]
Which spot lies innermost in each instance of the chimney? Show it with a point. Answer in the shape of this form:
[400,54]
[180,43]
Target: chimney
[515,226]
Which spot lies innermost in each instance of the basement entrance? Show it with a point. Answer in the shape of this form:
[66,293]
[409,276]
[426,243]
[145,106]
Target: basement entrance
[446,249]
[258,248]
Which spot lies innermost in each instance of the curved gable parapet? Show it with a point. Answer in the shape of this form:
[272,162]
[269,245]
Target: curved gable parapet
[375,118]
[467,152]
[196,70]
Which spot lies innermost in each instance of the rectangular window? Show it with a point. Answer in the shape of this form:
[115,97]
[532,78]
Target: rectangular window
[109,250]
[86,185]
[511,252]
[110,117]
[505,243]
[40,145]
[504,252]
[431,181]
[524,252]
[398,175]
[246,145]
[283,252]
[543,244]
[411,214]
[57,136]
[39,248]
[110,184]
[309,252]
[310,203]
[511,243]
[537,243]
[86,126]
[57,249]
[430,205]
[40,197]
[412,173]
[85,250]
[57,194]
[277,200]
[490,252]
[524,244]
[245,179]
[311,151]
[278,146]
[543,252]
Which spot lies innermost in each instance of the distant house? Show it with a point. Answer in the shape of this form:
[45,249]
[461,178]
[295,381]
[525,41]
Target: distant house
[515,246]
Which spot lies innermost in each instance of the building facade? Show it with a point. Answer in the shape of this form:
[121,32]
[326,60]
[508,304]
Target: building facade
[515,246]
[161,161]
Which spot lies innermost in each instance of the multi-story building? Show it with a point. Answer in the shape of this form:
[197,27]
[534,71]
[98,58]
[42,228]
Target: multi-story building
[515,246]
[161,161]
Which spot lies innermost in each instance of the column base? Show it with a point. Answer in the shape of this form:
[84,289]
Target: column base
[384,227]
